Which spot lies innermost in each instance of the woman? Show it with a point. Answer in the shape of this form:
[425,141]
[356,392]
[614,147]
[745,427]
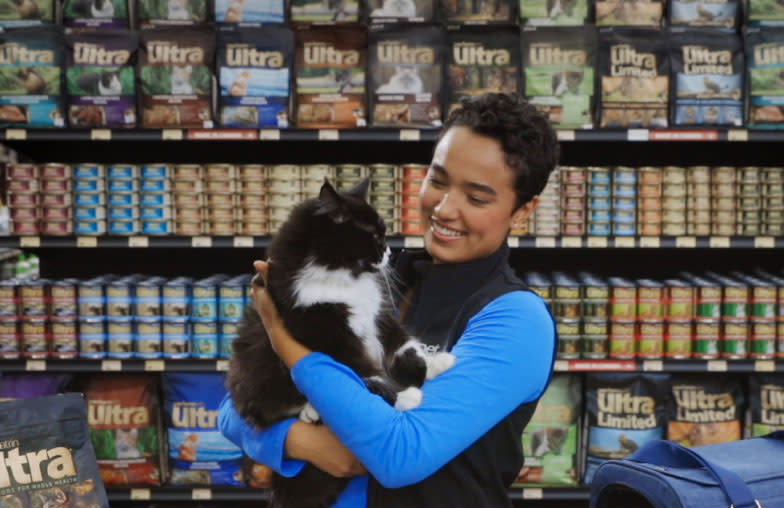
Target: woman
[461,447]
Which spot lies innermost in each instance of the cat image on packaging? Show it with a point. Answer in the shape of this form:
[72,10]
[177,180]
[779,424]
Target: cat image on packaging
[249,12]
[398,11]
[96,13]
[171,12]
[721,15]
[18,13]
[325,11]
[765,63]
[479,11]
[554,12]
[629,13]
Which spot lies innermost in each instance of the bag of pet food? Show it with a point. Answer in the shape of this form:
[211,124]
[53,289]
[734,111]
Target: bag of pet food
[479,12]
[18,13]
[766,395]
[401,11]
[101,78]
[406,75]
[198,453]
[704,410]
[765,62]
[253,74]
[330,78]
[764,13]
[122,412]
[24,386]
[96,14]
[249,12]
[716,14]
[328,12]
[171,12]
[555,12]
[634,79]
[482,60]
[53,431]
[31,61]
[550,438]
[624,411]
[630,13]
[175,72]
[707,78]
[559,74]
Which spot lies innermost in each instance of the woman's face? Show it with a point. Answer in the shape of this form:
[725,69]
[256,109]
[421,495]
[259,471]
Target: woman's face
[467,199]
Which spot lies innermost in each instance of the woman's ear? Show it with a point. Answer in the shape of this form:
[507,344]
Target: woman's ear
[521,214]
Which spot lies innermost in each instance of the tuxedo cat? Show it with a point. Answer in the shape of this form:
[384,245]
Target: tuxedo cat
[327,278]
[566,81]
[557,7]
[181,80]
[104,83]
[404,80]
[93,8]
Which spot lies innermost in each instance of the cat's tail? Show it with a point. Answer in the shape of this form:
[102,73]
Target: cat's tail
[311,488]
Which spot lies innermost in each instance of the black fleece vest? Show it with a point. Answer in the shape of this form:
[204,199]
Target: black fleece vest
[445,297]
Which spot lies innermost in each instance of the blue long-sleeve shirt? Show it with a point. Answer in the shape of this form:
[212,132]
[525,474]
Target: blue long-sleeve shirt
[503,359]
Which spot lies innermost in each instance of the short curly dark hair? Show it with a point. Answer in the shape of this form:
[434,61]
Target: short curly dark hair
[529,143]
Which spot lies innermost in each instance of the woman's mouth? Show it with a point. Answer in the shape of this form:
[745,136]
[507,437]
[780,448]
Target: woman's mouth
[445,233]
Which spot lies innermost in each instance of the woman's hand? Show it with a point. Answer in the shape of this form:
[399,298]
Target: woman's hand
[319,446]
[288,349]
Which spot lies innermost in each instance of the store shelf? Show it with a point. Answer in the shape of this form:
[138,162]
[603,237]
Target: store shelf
[551,493]
[666,365]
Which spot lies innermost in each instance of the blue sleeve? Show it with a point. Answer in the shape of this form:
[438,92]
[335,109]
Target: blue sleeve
[264,446]
[503,359]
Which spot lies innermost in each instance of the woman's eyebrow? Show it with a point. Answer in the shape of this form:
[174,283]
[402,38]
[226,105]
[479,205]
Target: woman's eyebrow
[481,187]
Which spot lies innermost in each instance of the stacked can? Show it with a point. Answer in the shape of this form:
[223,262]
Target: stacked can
[188,200]
[723,203]
[749,194]
[761,315]
[63,318]
[147,318]
[24,199]
[650,317]
[120,294]
[285,192]
[91,299]
[35,333]
[313,179]
[89,199]
[599,201]
[624,201]
[773,201]
[221,188]
[175,304]
[547,216]
[674,201]
[679,317]
[567,311]
[707,317]
[9,320]
[251,203]
[383,192]
[573,198]
[55,199]
[205,315]
[698,200]
[123,199]
[649,201]
[412,178]
[623,316]
[595,311]
[734,316]
[155,199]
[232,295]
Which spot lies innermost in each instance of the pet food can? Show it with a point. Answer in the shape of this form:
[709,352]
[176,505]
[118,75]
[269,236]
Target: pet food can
[573,229]
[598,216]
[622,339]
[122,172]
[628,204]
[23,200]
[649,190]
[383,186]
[346,184]
[651,344]
[155,171]
[26,228]
[648,175]
[726,174]
[29,214]
[204,306]
[261,187]
[128,199]
[9,299]
[623,174]
[574,203]
[749,229]
[698,174]
[21,171]
[147,303]
[227,332]
[230,186]
[383,172]
[650,229]
[595,333]
[540,285]
[63,300]
[22,186]
[707,299]
[155,213]
[698,229]
[123,186]
[624,190]
[772,229]
[598,175]
[773,189]
[204,340]
[769,203]
[573,189]
[780,339]
[414,171]
[623,299]
[215,172]
[674,175]
[186,200]
[35,338]
[84,213]
[124,227]
[621,229]
[706,339]
[698,216]
[221,228]
[600,190]
[763,340]
[284,171]
[97,185]
[349,171]
[735,339]
[92,338]
[119,299]
[650,300]
[188,172]
[119,338]
[573,216]
[650,203]
[222,215]
[388,213]
[411,200]
[317,172]
[567,301]
[679,298]
[573,175]
[189,214]
[91,299]
[762,306]
[596,296]
[252,173]
[231,298]
[175,339]
[155,186]
[624,216]
[726,190]
[154,199]
[773,175]
[154,227]
[176,295]
[147,338]
[9,339]
[568,338]
[383,200]
[599,229]
[736,299]
[411,186]
[411,227]
[33,298]
[678,340]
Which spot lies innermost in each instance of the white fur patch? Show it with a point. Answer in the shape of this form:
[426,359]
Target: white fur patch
[309,414]
[438,363]
[409,398]
[362,295]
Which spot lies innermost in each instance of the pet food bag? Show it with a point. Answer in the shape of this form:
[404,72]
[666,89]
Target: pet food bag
[550,438]
[96,13]
[766,397]
[482,60]
[18,13]
[474,12]
[555,12]
[171,12]
[325,12]
[101,78]
[707,77]
[704,410]
[198,453]
[24,386]
[634,79]
[31,61]
[406,75]
[765,61]
[122,412]
[253,74]
[330,78]
[624,411]
[764,13]
[715,14]
[175,72]
[630,13]
[559,74]
[249,12]
[401,11]
[46,458]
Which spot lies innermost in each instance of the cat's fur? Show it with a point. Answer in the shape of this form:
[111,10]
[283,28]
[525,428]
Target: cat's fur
[405,80]
[326,279]
[566,81]
[181,80]
[103,83]
[395,9]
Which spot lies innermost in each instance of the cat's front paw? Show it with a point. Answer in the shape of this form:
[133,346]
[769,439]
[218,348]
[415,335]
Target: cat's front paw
[438,363]
[309,414]
[409,398]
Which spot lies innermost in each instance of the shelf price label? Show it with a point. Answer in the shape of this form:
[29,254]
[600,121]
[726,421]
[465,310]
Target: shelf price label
[597,242]
[269,134]
[719,242]
[222,365]
[35,365]
[565,135]
[140,494]
[571,242]
[30,242]
[243,241]
[101,134]
[533,493]
[409,135]
[764,366]
[717,365]
[513,242]
[652,365]
[413,242]
[171,134]
[328,135]
[685,242]
[154,365]
[20,134]
[637,135]
[561,366]
[111,365]
[138,241]
[544,242]
[650,242]
[201,241]
[764,242]
[737,135]
[201,494]
[86,241]
[624,242]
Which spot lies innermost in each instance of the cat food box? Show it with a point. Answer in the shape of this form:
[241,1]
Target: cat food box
[329,12]
[766,397]
[479,12]
[330,78]
[554,12]
[18,13]
[623,412]
[765,61]
[96,14]
[198,453]
[707,77]
[704,410]
[101,78]
[249,12]
[254,78]
[634,79]
[482,60]
[171,12]
[406,76]
[31,61]
[401,11]
[122,412]
[629,13]
[716,14]
[559,74]
[54,429]
[175,72]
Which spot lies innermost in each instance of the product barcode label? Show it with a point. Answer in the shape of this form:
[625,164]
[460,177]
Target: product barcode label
[201,241]
[513,242]
[650,242]
[685,242]
[269,135]
[764,242]
[86,241]
[328,135]
[243,241]
[533,493]
[111,365]
[101,135]
[737,135]
[719,242]
[171,134]
[413,242]
[222,365]
[764,366]
[35,365]
[201,494]
[717,365]
[409,134]
[572,242]
[15,134]
[154,365]
[597,242]
[625,242]
[138,241]
[31,242]
[565,135]
[652,365]
[545,242]
[140,494]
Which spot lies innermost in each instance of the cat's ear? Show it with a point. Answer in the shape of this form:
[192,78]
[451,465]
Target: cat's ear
[331,204]
[360,190]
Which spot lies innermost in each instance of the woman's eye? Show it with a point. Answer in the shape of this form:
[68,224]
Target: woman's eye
[477,201]
[436,182]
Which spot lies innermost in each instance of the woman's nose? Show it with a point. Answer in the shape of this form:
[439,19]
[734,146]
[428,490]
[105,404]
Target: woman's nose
[446,208]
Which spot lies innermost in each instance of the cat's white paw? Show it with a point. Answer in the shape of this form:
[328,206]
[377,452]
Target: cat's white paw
[309,414]
[438,363]
[409,398]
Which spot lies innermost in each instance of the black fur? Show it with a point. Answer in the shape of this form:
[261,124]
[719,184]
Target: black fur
[89,81]
[335,231]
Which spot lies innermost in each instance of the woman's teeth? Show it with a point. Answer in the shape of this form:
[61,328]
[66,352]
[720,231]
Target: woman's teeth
[445,231]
